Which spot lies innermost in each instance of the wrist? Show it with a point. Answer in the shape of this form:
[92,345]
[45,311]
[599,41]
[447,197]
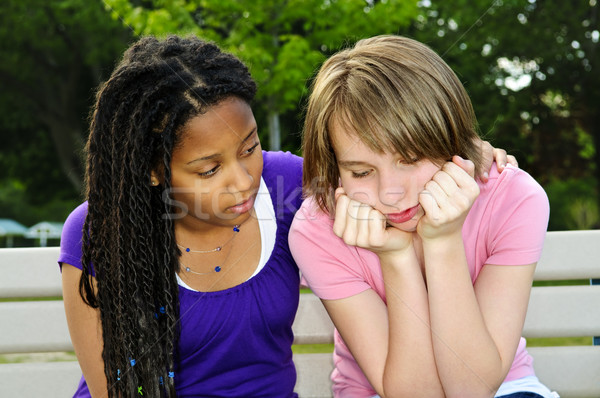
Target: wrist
[397,256]
[444,243]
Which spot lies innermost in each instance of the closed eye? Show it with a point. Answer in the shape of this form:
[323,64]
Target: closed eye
[361,174]
[412,160]
[251,150]
[209,173]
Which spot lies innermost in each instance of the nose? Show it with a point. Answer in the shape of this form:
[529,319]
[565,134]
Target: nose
[241,179]
[393,188]
[391,197]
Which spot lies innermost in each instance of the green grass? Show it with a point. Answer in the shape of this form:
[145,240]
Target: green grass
[312,348]
[573,282]
[9,299]
[558,341]
[38,357]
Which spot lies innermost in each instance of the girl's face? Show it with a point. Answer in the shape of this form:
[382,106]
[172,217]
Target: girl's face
[384,181]
[217,166]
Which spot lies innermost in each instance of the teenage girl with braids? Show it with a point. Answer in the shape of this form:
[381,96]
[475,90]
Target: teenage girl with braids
[177,276]
[194,290]
[425,270]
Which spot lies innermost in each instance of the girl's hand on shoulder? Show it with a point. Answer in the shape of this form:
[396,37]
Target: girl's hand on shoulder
[490,155]
[447,199]
[361,225]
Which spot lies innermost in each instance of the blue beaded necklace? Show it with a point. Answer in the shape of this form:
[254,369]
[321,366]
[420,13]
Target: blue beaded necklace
[218,268]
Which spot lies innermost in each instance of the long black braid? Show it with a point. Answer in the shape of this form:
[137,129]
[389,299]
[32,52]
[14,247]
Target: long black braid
[128,237]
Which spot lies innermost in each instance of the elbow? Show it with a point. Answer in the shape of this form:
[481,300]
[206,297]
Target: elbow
[472,394]
[473,391]
[411,390]
[468,385]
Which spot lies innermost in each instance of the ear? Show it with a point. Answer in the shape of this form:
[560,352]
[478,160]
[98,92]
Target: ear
[154,180]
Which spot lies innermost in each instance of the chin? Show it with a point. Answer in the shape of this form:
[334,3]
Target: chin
[408,226]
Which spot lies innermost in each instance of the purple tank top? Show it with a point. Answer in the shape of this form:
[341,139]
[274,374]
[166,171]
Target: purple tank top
[235,342]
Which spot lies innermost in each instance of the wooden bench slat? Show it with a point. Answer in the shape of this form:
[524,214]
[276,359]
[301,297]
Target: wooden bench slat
[314,371]
[570,255]
[31,380]
[312,324]
[563,311]
[574,372]
[30,272]
[34,326]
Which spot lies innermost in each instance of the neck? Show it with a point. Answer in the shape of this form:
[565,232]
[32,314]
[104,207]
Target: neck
[206,237]
[189,230]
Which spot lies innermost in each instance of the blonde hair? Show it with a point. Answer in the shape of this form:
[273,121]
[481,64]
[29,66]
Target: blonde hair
[396,95]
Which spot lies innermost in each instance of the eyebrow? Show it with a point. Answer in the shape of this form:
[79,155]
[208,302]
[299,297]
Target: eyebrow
[216,155]
[350,163]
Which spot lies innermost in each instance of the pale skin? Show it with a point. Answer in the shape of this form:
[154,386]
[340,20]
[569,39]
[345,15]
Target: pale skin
[420,344]
[215,175]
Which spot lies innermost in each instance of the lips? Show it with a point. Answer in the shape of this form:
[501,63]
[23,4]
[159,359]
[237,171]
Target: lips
[243,207]
[404,216]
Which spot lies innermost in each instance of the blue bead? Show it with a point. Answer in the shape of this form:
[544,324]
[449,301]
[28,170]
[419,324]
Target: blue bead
[217,269]
[187,250]
[132,362]
[171,374]
[236,229]
[162,310]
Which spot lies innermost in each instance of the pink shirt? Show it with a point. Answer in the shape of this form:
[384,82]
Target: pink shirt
[506,226]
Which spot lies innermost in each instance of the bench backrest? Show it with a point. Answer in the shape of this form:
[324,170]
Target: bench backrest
[554,311]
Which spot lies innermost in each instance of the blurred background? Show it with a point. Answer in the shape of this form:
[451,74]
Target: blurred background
[530,67]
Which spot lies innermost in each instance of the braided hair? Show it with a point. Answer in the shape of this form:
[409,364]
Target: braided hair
[128,238]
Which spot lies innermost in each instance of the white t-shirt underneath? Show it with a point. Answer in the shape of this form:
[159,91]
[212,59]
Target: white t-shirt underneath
[265,213]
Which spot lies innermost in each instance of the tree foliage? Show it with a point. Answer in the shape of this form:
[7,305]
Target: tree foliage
[54,55]
[282,41]
[530,67]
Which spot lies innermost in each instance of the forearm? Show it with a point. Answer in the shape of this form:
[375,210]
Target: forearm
[410,369]
[467,359]
[85,331]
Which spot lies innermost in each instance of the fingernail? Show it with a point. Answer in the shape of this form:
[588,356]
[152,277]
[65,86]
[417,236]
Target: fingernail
[486,175]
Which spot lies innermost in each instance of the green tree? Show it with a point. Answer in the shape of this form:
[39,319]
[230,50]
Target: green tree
[54,55]
[282,41]
[531,68]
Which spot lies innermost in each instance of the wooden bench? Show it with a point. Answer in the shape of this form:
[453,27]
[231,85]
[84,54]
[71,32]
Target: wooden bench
[39,325]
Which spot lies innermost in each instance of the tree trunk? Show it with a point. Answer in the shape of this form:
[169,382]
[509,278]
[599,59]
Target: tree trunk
[69,144]
[274,131]
[595,131]
[69,147]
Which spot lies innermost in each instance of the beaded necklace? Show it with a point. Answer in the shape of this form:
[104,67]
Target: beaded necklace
[218,268]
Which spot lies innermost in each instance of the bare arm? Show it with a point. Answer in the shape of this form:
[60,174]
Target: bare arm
[391,343]
[475,329]
[86,332]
